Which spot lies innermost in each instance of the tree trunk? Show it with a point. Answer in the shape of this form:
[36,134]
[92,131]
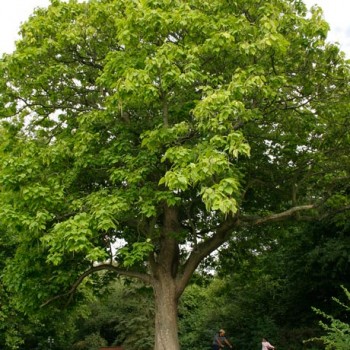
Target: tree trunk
[166,302]
[164,271]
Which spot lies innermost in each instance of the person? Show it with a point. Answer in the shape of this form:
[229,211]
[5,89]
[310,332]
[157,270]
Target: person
[266,345]
[220,341]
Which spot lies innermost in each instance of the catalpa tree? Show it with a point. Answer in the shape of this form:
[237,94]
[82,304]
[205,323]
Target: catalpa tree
[167,127]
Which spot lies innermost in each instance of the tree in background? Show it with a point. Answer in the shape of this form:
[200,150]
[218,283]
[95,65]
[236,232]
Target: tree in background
[269,287]
[123,313]
[139,136]
[22,330]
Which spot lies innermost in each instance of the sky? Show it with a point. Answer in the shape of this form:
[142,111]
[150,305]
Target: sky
[336,13]
[14,12]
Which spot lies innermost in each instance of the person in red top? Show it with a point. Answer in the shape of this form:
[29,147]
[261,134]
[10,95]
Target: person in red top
[266,345]
[220,341]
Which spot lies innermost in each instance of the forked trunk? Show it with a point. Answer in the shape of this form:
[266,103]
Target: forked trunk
[166,331]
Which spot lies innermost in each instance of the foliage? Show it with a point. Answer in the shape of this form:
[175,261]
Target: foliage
[139,136]
[194,332]
[123,314]
[268,290]
[94,341]
[337,335]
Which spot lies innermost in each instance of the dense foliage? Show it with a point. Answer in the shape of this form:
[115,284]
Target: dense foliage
[138,137]
[122,314]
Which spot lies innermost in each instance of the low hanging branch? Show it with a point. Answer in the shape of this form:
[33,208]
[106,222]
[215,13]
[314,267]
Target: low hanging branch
[203,249]
[143,277]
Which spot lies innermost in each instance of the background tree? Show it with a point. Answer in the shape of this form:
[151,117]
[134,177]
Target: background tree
[270,288]
[166,127]
[123,313]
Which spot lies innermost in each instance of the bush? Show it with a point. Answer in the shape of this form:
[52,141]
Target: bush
[337,335]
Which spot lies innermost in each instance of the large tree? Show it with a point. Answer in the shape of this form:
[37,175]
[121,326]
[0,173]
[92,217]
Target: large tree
[139,135]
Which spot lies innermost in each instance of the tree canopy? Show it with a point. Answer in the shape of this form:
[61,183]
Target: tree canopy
[138,136]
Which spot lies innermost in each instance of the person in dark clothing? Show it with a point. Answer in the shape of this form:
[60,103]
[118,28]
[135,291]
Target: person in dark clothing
[220,341]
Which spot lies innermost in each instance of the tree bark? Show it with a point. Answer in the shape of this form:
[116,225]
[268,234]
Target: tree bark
[164,271]
[166,302]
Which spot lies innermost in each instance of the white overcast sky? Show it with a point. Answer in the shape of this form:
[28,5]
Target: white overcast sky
[14,12]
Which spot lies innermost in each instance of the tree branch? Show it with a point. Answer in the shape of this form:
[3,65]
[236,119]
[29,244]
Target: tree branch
[203,249]
[144,277]
[219,237]
[278,216]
